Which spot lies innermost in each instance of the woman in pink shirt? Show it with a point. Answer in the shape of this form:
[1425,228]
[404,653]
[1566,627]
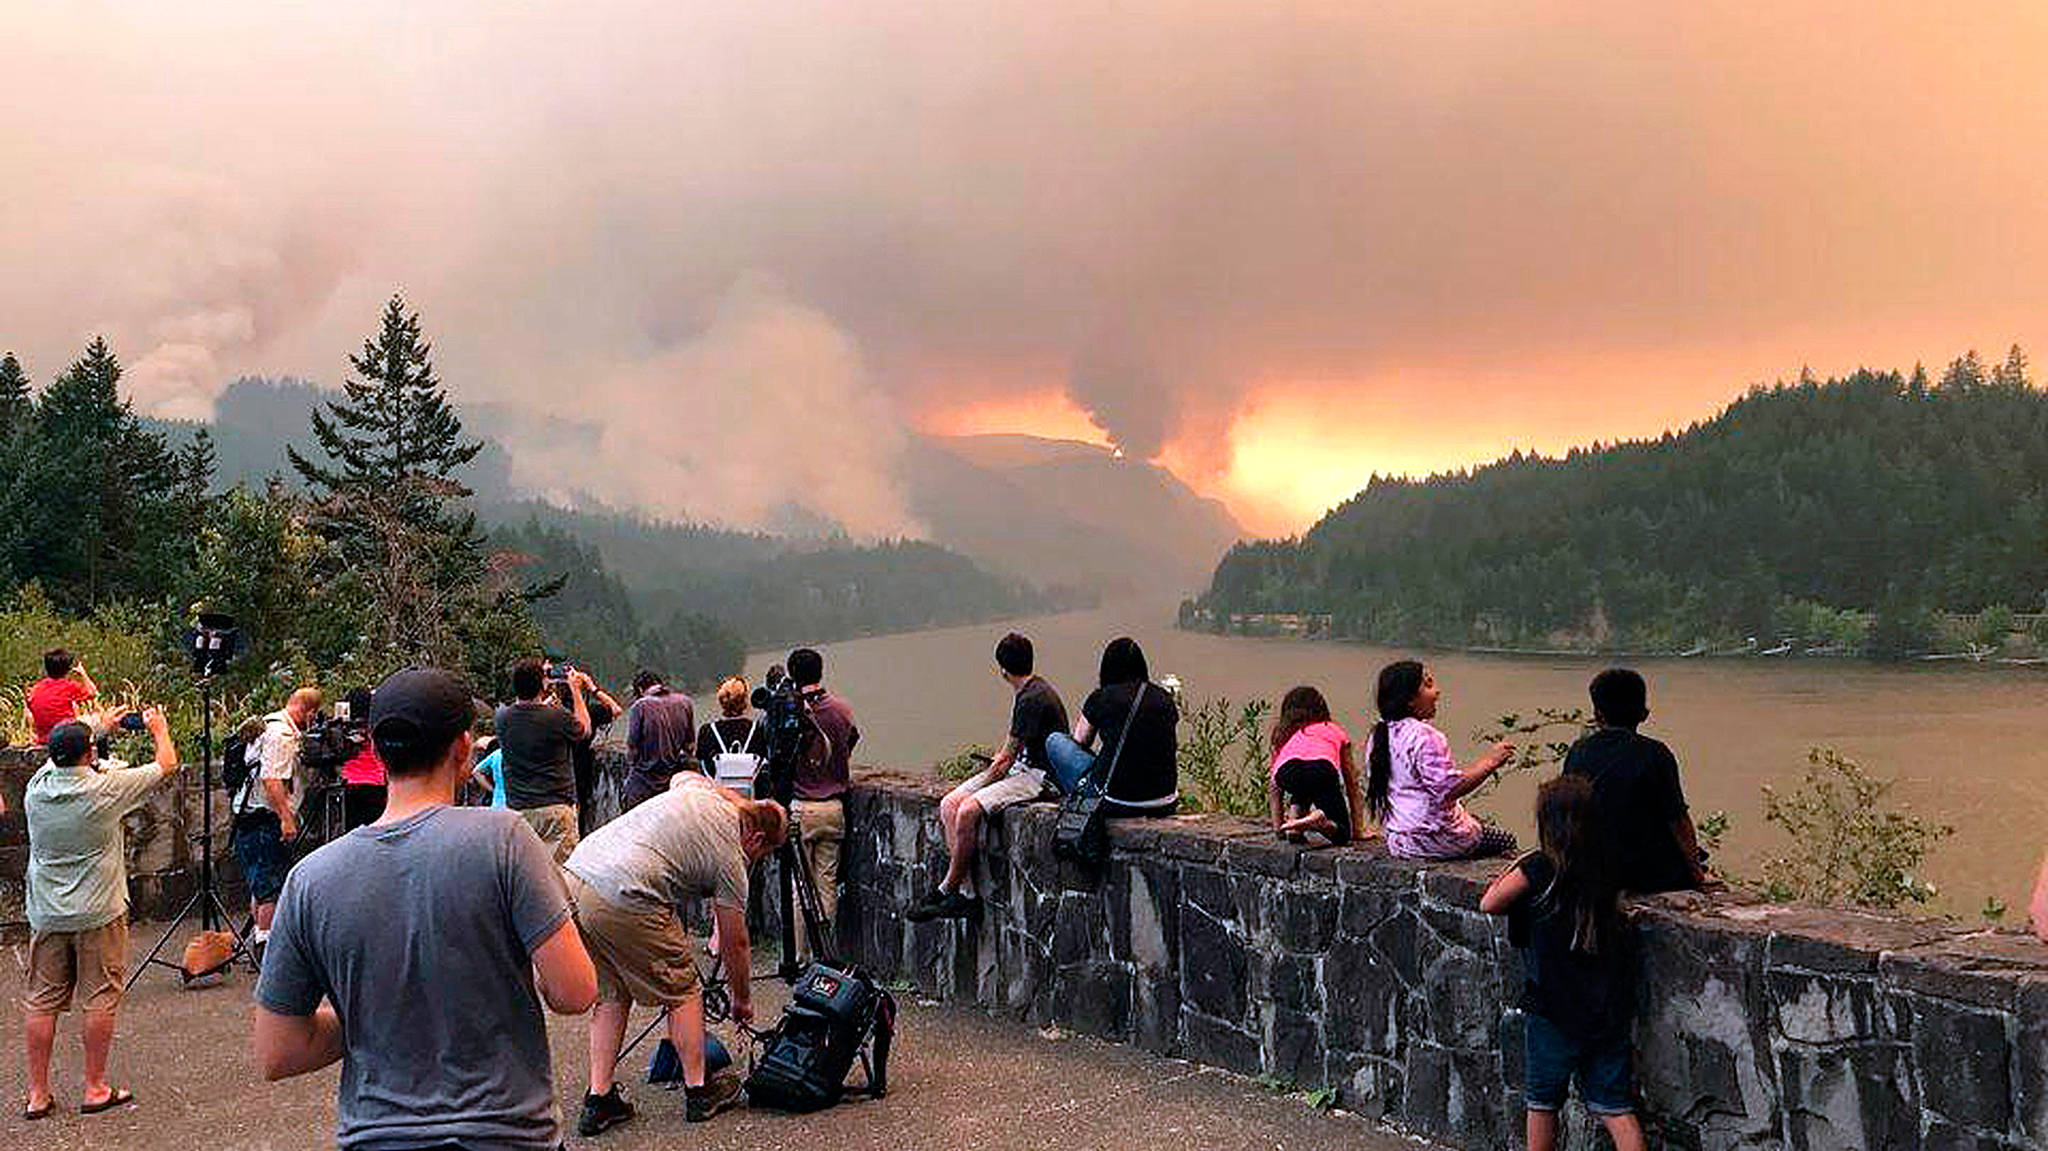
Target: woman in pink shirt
[1313,767]
[1413,785]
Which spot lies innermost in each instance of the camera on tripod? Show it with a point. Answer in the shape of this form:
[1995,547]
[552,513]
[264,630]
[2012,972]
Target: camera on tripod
[786,714]
[329,743]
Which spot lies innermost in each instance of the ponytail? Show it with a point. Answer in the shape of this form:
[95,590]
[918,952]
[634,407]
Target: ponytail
[1398,685]
[1379,768]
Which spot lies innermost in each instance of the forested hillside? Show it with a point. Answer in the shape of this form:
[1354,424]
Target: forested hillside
[1880,493]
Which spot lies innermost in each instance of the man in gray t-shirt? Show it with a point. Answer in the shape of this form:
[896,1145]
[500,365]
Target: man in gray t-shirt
[434,935]
[629,881]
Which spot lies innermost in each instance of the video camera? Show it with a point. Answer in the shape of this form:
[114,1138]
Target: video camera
[786,714]
[330,742]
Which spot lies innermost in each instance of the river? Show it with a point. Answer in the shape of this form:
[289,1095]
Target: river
[1966,744]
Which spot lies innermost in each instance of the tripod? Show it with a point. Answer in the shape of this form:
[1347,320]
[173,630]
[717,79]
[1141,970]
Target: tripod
[213,914]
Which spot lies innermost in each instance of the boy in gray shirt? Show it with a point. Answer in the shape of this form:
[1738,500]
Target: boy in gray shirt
[434,934]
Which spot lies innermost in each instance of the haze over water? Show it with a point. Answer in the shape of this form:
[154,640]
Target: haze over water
[1963,742]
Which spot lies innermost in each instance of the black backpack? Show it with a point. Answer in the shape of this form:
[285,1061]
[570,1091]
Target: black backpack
[234,764]
[833,1011]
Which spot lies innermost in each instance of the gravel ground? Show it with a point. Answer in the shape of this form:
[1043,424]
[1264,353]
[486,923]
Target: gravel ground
[959,1079]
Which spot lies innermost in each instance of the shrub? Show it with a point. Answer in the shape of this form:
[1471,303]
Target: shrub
[1845,847]
[1224,759]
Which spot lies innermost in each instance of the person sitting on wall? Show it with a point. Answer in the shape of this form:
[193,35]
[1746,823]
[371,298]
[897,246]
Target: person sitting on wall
[1635,779]
[1315,769]
[56,697]
[1015,775]
[1127,709]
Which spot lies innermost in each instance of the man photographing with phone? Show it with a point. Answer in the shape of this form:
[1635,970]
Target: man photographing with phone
[537,745]
[77,898]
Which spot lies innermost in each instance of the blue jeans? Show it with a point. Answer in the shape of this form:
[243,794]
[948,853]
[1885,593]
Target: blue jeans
[1551,1058]
[1066,763]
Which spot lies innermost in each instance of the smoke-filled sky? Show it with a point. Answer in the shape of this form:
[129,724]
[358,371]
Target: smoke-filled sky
[1277,246]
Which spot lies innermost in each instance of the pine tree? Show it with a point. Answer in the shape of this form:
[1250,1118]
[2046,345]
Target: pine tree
[93,500]
[404,540]
[2012,374]
[393,438]
[16,400]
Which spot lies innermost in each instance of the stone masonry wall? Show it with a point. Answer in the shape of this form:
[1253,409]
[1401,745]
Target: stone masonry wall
[1205,937]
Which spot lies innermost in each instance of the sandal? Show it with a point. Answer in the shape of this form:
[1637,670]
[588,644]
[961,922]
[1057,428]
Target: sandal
[34,1113]
[121,1095]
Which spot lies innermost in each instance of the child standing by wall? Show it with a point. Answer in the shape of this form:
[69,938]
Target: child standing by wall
[1578,991]
[1413,785]
[1314,767]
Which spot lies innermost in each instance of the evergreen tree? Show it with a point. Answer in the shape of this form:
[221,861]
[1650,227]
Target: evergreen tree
[16,398]
[2012,374]
[92,507]
[403,538]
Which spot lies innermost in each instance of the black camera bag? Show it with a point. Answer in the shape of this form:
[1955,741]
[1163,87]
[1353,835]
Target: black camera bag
[833,1012]
[1081,833]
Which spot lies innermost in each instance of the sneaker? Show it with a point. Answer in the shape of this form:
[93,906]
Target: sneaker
[719,1093]
[957,905]
[603,1112]
[926,908]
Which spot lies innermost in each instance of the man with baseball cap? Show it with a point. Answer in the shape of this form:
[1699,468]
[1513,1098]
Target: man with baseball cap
[435,934]
[77,899]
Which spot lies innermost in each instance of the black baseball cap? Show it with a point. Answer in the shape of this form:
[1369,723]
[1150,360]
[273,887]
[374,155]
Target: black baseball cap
[68,743]
[418,710]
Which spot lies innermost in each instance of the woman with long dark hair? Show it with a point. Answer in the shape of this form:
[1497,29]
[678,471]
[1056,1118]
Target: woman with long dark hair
[1314,769]
[1577,994]
[1412,783]
[1138,724]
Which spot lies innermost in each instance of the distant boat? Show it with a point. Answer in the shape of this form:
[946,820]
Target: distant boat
[1978,653]
[1698,649]
[1784,648]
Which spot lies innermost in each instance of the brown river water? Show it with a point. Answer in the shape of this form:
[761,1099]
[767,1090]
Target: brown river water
[1968,745]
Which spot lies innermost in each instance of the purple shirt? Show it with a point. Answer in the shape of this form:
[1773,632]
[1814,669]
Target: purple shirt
[1423,821]
[826,768]
[661,731]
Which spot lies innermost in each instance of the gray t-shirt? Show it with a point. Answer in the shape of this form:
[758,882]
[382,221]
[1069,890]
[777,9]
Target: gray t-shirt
[679,846]
[538,741]
[422,932]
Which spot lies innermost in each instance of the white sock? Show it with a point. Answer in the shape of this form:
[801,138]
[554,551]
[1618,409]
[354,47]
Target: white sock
[967,887]
[260,935]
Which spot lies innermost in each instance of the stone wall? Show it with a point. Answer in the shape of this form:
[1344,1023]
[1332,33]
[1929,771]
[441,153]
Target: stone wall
[1206,938]
[163,851]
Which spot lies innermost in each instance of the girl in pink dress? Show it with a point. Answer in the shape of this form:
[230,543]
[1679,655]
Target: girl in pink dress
[1413,785]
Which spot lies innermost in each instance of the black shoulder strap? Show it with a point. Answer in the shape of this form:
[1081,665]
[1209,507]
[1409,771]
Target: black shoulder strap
[1124,736]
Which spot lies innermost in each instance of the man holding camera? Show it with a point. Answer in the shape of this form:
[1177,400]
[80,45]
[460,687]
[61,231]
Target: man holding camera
[77,900]
[629,882]
[418,952]
[537,752]
[266,813]
[823,774]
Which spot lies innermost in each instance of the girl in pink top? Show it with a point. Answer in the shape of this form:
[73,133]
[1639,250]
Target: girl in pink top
[1314,768]
[1413,785]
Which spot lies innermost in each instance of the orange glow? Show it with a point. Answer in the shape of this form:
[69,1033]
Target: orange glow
[1049,414]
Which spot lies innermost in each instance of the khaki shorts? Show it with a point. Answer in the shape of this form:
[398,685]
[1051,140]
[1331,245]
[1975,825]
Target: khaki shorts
[1020,786]
[642,955]
[94,963]
[556,826]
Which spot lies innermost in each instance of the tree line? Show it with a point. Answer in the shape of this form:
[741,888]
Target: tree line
[1840,511]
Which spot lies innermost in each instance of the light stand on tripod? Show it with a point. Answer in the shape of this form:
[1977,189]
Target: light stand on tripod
[214,640]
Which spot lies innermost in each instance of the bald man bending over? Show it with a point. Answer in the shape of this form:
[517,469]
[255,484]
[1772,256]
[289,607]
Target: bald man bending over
[266,810]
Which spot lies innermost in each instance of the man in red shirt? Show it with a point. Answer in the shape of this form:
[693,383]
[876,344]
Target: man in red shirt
[55,698]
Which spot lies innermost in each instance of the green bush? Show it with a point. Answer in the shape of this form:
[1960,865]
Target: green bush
[1224,758]
[1846,849]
